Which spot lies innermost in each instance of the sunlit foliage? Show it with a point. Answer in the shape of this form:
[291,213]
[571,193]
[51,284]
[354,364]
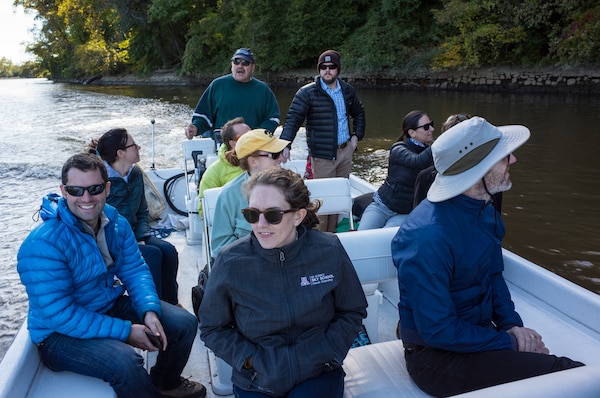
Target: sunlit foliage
[82,38]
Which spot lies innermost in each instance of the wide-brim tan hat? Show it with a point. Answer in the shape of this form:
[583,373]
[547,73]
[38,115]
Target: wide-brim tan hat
[258,140]
[466,152]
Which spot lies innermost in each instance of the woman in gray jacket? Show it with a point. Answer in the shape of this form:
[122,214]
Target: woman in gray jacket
[283,304]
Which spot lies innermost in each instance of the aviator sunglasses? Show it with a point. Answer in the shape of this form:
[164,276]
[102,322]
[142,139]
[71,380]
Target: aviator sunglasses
[74,190]
[238,61]
[425,126]
[271,216]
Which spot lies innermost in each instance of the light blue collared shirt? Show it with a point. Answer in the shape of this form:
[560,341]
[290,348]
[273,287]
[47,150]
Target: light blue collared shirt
[337,96]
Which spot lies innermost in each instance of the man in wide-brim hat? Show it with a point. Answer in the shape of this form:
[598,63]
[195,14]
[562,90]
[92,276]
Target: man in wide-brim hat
[459,325]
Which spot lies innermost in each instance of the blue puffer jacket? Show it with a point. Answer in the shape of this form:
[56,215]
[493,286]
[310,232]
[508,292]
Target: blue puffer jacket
[452,293]
[67,281]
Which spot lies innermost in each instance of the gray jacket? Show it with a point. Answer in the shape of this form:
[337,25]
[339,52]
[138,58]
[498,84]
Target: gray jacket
[295,310]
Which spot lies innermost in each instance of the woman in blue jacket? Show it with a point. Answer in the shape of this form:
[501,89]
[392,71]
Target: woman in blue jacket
[120,154]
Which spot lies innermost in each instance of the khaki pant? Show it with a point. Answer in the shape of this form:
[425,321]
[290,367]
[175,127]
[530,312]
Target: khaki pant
[326,168]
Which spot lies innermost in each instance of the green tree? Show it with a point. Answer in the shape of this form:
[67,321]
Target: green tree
[78,38]
[396,34]
[579,41]
[486,33]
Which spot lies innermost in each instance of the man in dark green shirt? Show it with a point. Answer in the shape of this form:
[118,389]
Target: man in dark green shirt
[233,95]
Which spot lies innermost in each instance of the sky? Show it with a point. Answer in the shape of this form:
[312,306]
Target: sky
[14,30]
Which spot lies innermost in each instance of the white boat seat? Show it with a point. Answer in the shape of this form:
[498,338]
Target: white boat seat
[196,149]
[209,203]
[299,166]
[335,195]
[378,370]
[371,254]
[23,357]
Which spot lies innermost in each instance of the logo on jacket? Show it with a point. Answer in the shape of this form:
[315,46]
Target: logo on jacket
[318,279]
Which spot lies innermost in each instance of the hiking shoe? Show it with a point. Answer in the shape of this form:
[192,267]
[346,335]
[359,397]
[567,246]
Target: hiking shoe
[187,389]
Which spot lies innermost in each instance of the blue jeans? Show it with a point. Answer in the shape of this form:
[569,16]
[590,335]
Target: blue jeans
[163,260]
[329,384]
[116,362]
[378,215]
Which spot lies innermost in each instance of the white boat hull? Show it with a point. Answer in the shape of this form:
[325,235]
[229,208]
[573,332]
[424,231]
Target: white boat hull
[567,316]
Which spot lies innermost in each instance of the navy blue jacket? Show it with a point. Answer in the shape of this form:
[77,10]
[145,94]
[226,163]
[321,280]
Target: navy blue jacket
[452,293]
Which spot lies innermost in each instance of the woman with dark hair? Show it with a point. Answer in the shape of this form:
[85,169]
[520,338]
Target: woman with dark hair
[120,154]
[283,304]
[410,154]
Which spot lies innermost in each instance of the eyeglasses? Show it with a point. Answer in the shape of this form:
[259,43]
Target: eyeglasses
[328,66]
[273,156]
[134,144]
[238,61]
[271,216]
[74,190]
[425,126]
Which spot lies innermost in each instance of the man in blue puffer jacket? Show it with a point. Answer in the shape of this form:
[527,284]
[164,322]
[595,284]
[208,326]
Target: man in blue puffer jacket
[91,296]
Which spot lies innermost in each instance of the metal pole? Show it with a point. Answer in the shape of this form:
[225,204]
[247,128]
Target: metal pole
[152,121]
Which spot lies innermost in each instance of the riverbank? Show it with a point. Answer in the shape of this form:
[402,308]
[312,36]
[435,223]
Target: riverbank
[499,79]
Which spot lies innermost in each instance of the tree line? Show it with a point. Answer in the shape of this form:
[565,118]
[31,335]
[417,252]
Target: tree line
[82,38]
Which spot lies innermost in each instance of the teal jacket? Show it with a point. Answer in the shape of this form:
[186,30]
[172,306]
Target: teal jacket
[229,223]
[69,286]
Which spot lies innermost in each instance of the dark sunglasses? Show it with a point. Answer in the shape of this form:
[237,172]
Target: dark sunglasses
[271,216]
[425,126]
[330,67]
[238,61]
[96,189]
[134,144]
[273,156]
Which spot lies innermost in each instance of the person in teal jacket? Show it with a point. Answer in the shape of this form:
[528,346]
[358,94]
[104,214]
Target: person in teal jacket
[221,171]
[459,326]
[91,296]
[255,151]
[233,95]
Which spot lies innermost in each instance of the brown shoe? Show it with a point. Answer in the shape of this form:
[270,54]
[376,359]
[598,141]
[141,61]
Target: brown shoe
[187,389]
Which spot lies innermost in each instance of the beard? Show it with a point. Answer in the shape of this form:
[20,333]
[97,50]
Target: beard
[497,183]
[328,79]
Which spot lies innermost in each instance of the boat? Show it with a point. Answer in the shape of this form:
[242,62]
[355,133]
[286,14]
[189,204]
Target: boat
[566,315]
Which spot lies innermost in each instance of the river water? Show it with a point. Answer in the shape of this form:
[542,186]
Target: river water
[552,212]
